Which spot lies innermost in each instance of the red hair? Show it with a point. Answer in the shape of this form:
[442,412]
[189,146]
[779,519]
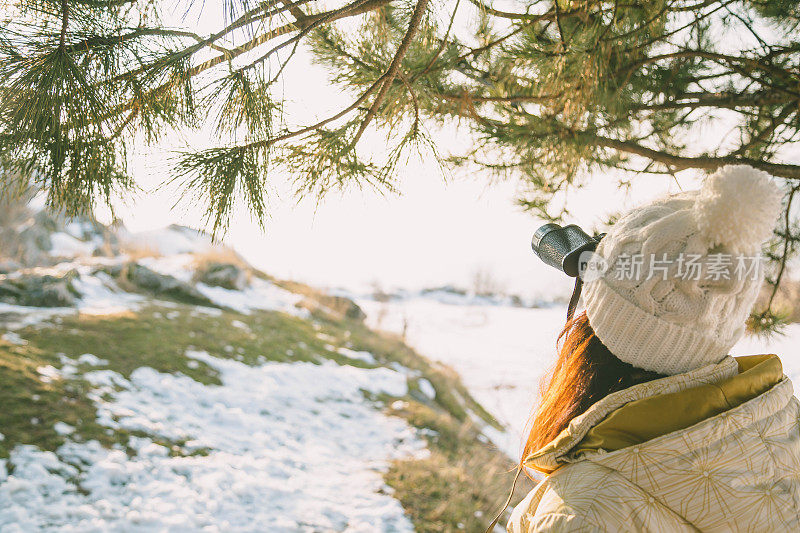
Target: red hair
[584,373]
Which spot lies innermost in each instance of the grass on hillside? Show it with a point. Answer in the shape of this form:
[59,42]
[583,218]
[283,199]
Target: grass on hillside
[462,482]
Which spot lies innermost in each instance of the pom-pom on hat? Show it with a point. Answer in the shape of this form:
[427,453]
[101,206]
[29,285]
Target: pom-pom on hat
[737,207]
[683,272]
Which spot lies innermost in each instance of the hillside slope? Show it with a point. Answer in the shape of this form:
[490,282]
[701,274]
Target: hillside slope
[157,381]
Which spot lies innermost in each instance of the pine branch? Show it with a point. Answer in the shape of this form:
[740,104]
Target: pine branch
[786,245]
[678,162]
[310,23]
[502,14]
[559,26]
[294,9]
[776,122]
[442,45]
[64,23]
[675,162]
[254,15]
[391,72]
[551,93]
[356,8]
[720,100]
[318,125]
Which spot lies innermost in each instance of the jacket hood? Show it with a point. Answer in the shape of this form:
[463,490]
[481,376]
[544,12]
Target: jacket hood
[649,410]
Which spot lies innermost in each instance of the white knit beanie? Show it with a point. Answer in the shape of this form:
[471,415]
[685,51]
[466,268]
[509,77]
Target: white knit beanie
[653,306]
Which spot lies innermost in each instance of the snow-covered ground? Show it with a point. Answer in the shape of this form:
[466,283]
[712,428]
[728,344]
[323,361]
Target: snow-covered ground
[287,447]
[502,352]
[281,447]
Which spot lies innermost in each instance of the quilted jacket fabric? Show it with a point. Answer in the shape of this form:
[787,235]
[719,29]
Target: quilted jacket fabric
[714,449]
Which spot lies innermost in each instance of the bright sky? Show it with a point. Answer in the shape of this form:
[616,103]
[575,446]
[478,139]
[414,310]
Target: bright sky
[432,233]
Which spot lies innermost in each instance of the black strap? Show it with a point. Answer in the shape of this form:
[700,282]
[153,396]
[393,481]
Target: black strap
[576,295]
[508,502]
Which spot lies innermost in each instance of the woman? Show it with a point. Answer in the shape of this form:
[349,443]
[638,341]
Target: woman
[646,424]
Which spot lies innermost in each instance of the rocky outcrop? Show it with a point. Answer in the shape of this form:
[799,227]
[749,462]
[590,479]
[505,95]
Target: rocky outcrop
[30,237]
[157,284]
[225,275]
[337,307]
[39,290]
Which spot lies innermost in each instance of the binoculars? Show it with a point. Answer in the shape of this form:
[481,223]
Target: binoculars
[561,247]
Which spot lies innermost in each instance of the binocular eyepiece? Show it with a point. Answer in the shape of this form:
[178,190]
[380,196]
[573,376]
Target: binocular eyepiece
[561,247]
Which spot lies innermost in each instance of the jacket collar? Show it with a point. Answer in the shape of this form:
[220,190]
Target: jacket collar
[658,407]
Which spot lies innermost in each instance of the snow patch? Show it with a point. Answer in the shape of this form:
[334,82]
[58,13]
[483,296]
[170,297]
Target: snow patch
[101,296]
[20,316]
[48,373]
[261,294]
[78,229]
[14,338]
[63,428]
[208,311]
[361,356]
[290,447]
[65,245]
[426,387]
[180,266]
[399,405]
[91,359]
[172,240]
[241,325]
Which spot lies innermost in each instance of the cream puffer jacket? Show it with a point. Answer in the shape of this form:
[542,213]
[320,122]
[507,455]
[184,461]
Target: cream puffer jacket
[715,449]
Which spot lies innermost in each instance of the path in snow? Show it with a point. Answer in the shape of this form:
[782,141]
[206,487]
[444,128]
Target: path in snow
[291,447]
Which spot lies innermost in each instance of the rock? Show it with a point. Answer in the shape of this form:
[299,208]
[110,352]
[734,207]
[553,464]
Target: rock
[225,275]
[9,292]
[9,265]
[336,306]
[158,284]
[26,234]
[51,293]
[449,289]
[351,309]
[28,246]
[39,291]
